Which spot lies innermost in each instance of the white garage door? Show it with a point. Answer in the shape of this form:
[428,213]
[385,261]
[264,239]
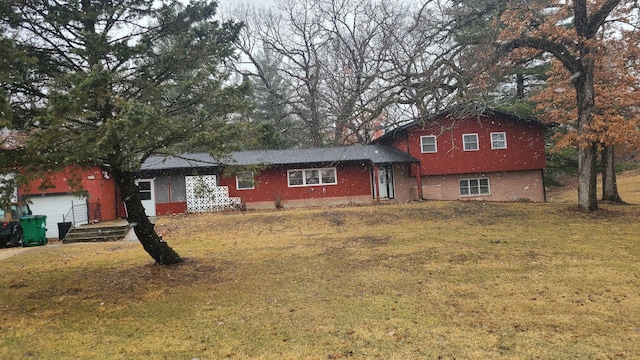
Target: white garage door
[55,207]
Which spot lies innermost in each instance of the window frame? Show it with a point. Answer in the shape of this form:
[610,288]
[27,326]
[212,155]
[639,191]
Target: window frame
[248,174]
[435,144]
[479,187]
[306,175]
[464,143]
[145,191]
[503,140]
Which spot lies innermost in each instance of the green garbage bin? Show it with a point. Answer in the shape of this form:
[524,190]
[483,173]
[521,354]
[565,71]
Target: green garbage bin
[34,230]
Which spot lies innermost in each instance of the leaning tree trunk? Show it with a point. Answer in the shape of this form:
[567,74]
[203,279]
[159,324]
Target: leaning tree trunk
[159,250]
[609,185]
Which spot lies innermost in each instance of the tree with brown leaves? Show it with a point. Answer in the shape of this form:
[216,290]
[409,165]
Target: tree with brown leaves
[574,34]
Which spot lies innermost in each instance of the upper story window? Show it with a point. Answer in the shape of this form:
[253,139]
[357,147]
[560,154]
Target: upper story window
[245,181]
[310,177]
[428,144]
[469,187]
[498,140]
[470,142]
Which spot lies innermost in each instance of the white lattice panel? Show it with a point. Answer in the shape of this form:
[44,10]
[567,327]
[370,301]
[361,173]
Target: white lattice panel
[204,196]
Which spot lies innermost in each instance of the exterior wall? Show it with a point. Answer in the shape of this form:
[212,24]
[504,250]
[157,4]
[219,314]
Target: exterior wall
[99,186]
[404,183]
[171,192]
[171,208]
[525,146]
[504,186]
[326,201]
[353,186]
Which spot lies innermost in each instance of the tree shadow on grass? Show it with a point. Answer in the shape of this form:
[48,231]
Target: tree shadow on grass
[126,284]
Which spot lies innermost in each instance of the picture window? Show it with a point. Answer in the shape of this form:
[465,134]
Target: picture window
[310,177]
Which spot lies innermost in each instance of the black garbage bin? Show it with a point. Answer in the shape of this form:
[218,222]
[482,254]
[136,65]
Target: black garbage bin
[63,229]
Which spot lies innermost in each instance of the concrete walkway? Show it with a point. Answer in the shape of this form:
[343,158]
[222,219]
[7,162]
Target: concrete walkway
[131,236]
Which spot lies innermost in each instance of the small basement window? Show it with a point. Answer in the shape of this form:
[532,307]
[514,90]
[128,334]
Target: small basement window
[470,187]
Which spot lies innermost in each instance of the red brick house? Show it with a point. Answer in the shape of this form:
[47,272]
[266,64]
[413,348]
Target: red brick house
[495,156]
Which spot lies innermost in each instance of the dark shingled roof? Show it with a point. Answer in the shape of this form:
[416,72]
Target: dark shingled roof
[376,154]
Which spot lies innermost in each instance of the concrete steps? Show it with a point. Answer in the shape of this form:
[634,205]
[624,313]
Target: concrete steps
[96,233]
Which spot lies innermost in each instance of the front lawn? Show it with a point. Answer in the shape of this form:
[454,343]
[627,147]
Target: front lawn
[431,280]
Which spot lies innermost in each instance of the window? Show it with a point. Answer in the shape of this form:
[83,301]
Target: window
[470,142]
[469,187]
[428,144]
[295,178]
[144,189]
[498,140]
[20,210]
[328,176]
[244,181]
[310,177]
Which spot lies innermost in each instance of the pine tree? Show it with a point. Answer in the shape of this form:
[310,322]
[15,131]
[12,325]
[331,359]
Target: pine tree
[125,80]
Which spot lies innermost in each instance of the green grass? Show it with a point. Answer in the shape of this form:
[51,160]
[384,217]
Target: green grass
[431,280]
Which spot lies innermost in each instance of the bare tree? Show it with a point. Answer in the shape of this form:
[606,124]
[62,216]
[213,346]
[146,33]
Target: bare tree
[359,83]
[292,31]
[339,62]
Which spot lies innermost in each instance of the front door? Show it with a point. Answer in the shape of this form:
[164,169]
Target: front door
[146,189]
[385,182]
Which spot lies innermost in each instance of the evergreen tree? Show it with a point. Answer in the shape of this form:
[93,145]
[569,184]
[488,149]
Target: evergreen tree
[15,98]
[270,110]
[125,80]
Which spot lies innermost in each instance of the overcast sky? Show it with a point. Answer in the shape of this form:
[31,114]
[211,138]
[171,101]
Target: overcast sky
[257,3]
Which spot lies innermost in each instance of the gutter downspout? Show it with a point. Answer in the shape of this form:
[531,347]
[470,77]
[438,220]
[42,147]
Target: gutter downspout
[544,186]
[418,181]
[376,182]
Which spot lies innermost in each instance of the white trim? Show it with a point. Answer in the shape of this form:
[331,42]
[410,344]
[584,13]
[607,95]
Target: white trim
[504,139]
[479,187]
[149,204]
[464,143]
[304,177]
[389,190]
[253,181]
[435,144]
